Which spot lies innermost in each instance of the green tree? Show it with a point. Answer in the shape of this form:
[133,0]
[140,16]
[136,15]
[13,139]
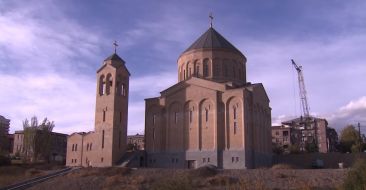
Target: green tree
[37,138]
[349,137]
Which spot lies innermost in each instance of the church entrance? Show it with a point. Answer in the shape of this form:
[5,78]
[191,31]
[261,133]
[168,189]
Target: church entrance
[191,164]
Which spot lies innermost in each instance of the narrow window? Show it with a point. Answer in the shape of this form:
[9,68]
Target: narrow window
[73,147]
[190,116]
[205,68]
[153,133]
[234,111]
[103,139]
[235,127]
[206,113]
[103,115]
[101,159]
[120,117]
[119,139]
[123,90]
[154,119]
[232,159]
[208,159]
[104,88]
[175,117]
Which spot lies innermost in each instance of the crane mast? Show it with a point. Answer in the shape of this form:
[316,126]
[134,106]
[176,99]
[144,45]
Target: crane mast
[302,90]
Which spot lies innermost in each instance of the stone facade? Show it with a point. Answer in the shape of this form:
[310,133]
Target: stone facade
[58,145]
[105,145]
[212,115]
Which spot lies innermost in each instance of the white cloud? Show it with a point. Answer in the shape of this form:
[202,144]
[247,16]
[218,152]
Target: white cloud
[352,113]
[62,99]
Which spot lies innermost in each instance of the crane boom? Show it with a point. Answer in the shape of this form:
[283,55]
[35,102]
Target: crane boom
[302,90]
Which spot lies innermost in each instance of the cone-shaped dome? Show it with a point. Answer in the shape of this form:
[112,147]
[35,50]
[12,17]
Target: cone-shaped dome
[211,39]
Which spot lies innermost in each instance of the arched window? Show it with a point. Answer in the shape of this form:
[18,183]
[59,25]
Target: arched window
[73,147]
[101,85]
[110,84]
[205,68]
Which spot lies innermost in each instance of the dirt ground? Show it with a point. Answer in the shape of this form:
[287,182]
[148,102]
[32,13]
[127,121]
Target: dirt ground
[203,178]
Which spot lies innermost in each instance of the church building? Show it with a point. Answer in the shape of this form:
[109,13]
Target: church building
[106,145]
[213,115]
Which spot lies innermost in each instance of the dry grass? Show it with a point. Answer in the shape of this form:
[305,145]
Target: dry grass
[20,172]
[203,178]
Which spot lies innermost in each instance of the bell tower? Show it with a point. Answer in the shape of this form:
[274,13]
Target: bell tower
[111,109]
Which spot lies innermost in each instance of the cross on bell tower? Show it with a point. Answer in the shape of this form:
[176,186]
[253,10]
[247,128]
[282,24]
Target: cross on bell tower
[211,18]
[115,46]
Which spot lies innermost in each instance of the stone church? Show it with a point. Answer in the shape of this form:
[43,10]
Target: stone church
[106,145]
[213,115]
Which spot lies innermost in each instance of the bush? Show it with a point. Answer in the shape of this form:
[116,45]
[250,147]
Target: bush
[356,178]
[4,160]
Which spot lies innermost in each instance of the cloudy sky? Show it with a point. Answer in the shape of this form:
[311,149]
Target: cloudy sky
[50,51]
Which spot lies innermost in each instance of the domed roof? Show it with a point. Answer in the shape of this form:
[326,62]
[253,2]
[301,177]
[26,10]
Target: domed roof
[211,39]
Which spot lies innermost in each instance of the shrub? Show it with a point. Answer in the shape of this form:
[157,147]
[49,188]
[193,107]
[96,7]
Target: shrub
[4,160]
[356,177]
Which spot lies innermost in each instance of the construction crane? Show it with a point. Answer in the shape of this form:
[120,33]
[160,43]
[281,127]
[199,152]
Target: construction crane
[302,90]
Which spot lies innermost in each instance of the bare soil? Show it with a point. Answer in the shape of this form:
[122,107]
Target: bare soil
[203,178]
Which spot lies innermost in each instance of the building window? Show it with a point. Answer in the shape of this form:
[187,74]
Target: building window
[234,111]
[190,116]
[119,139]
[235,127]
[206,114]
[73,147]
[120,117]
[153,133]
[175,117]
[277,133]
[208,159]
[154,119]
[205,68]
[102,85]
[101,159]
[103,115]
[237,159]
[103,139]
[232,159]
[123,90]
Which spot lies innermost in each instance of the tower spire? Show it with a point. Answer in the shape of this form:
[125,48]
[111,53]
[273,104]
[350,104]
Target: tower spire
[115,46]
[211,18]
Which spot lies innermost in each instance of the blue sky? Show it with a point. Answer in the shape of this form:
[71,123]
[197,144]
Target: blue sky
[50,51]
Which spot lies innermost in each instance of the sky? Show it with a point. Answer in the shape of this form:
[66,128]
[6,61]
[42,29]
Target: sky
[50,51]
